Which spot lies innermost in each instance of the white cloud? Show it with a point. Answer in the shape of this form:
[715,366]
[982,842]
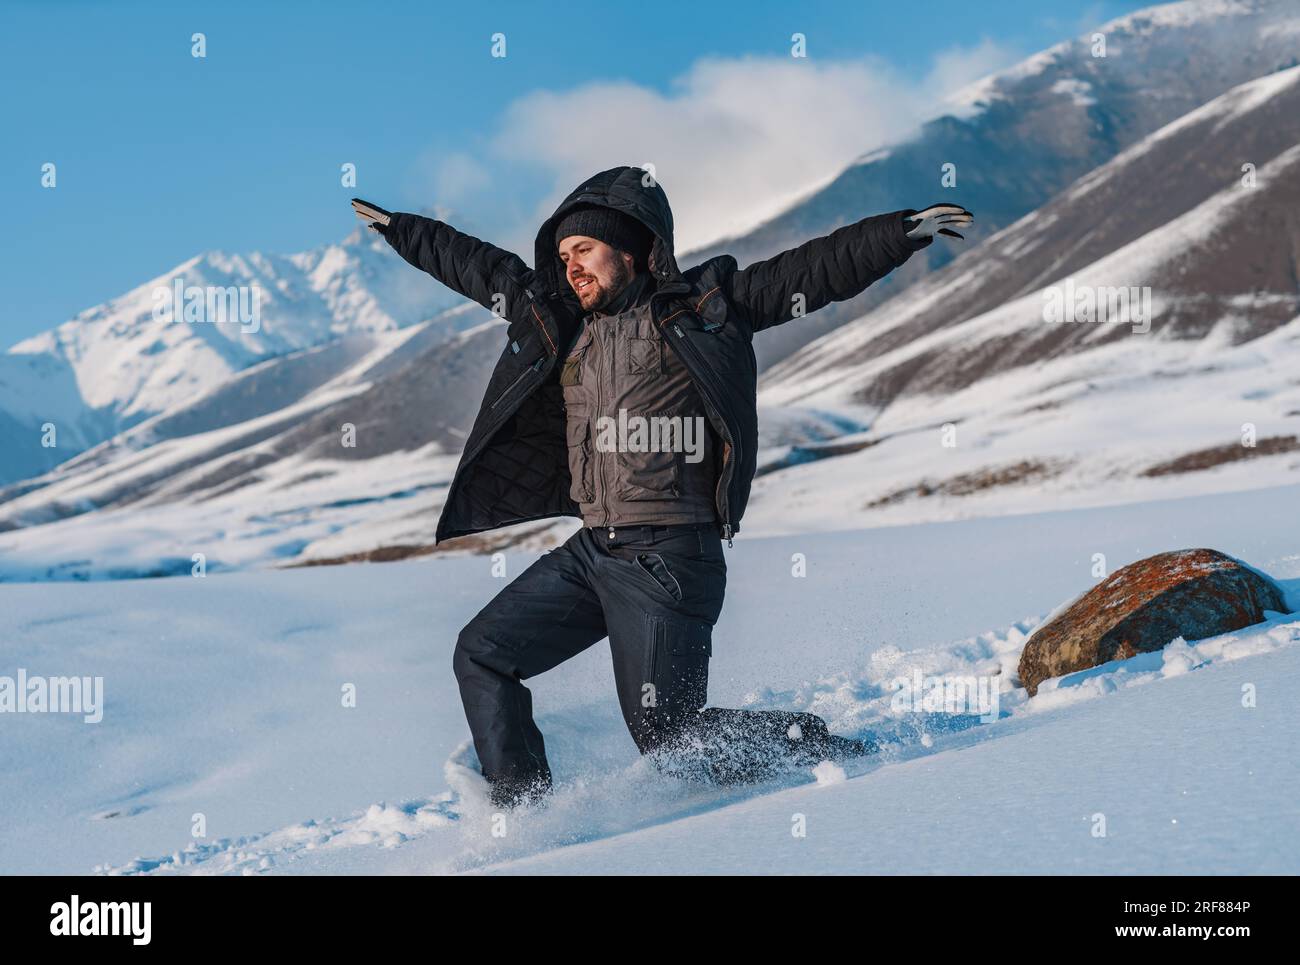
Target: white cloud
[960,66]
[736,140]
[457,175]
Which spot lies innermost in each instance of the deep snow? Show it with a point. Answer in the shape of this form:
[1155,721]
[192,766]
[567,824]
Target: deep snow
[223,697]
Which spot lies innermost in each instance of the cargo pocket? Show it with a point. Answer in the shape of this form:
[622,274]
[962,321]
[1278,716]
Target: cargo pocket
[578,433]
[644,356]
[652,474]
[657,569]
[679,667]
[571,373]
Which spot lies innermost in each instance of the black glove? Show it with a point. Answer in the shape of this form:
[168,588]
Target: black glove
[938,219]
[375,217]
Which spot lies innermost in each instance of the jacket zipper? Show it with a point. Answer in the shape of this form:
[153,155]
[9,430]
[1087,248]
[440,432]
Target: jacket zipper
[536,366]
[725,475]
[541,326]
[600,462]
[728,466]
[595,452]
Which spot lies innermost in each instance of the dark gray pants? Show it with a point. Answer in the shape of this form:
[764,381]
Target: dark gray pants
[656,592]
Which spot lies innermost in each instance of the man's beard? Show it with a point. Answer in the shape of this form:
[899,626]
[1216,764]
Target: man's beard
[623,276]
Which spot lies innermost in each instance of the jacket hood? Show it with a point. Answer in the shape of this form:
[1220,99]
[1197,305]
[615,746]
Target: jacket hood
[620,188]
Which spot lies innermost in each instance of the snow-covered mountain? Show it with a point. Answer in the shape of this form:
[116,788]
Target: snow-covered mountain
[117,364]
[1199,395]
[324,428]
[1242,243]
[251,469]
[1019,137]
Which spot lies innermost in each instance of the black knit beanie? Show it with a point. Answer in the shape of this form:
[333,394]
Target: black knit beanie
[618,230]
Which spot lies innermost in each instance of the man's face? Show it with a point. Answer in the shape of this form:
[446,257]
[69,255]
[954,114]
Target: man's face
[596,272]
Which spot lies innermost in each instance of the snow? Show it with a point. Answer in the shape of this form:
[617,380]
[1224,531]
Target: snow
[223,699]
[828,772]
[38,387]
[815,371]
[1182,24]
[1183,14]
[1237,102]
[227,704]
[333,508]
[1156,763]
[976,95]
[1074,413]
[307,508]
[117,360]
[1079,91]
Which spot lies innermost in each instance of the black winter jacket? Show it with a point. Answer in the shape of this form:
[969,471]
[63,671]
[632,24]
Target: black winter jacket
[514,466]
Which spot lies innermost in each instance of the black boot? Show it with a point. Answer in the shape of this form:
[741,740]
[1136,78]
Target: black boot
[744,746]
[507,794]
[847,748]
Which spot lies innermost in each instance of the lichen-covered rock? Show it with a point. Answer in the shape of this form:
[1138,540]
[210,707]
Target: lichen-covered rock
[1189,593]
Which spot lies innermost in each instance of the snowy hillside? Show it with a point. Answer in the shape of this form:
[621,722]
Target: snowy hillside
[259,470]
[119,363]
[38,389]
[1019,137]
[1123,209]
[1050,413]
[222,699]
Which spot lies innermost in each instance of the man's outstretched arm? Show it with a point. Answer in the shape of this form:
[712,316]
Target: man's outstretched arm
[839,265]
[491,276]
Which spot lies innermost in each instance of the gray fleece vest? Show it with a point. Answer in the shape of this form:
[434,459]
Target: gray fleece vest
[641,449]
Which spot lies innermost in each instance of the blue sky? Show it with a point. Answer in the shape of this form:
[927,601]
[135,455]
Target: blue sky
[161,155]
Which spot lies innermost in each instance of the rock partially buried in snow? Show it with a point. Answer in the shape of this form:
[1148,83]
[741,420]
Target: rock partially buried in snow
[1191,594]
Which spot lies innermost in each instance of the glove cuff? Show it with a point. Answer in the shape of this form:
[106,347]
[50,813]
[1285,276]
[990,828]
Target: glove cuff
[912,244]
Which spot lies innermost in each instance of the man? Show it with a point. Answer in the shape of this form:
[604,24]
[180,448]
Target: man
[625,396]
